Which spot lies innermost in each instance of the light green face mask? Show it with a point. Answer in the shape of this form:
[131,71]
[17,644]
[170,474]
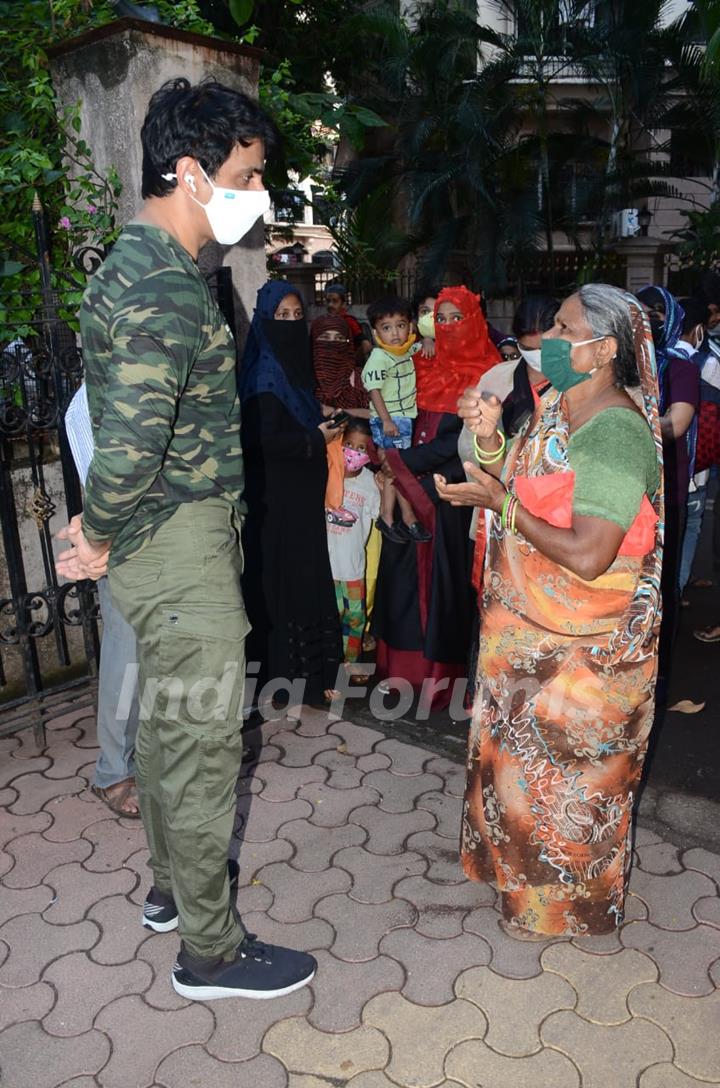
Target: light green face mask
[426,325]
[556,365]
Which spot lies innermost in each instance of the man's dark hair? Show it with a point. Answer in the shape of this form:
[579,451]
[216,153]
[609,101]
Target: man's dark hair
[534,314]
[696,313]
[387,307]
[205,121]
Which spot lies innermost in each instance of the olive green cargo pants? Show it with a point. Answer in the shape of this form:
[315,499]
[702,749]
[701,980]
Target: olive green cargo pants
[182,596]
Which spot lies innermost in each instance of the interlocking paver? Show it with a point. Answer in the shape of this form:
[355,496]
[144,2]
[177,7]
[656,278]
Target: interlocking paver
[670,899]
[375,875]
[113,842]
[344,773]
[708,911]
[388,833]
[299,751]
[306,936]
[691,1023]
[401,793]
[406,759]
[303,1049]
[122,931]
[159,953]
[266,817]
[14,826]
[142,1036]
[373,1080]
[191,1065]
[358,740]
[332,808]
[17,901]
[6,862]
[33,1059]
[431,967]
[442,907]
[342,989]
[447,811]
[33,943]
[703,861]
[87,727]
[512,958]
[669,1076]
[443,856]
[8,797]
[375,761]
[281,783]
[602,982]
[547,1069]
[67,759]
[253,856]
[35,790]
[254,897]
[137,863]
[77,975]
[25,1003]
[600,1051]
[316,846]
[232,1043]
[359,927]
[295,895]
[80,1082]
[35,857]
[76,890]
[420,1036]
[72,815]
[452,773]
[514,1008]
[683,957]
[661,858]
[13,768]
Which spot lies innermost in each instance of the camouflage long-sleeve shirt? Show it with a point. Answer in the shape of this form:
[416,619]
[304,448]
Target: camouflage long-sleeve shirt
[162,391]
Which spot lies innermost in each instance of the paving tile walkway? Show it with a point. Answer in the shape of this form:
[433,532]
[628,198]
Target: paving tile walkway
[347,842]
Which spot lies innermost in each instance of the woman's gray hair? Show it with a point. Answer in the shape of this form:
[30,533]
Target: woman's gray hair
[608,314]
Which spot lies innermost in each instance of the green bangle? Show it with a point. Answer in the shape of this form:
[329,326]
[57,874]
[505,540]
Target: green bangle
[504,511]
[482,455]
[514,515]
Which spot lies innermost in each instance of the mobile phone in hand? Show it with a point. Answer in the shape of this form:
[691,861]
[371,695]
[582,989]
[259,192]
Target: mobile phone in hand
[337,420]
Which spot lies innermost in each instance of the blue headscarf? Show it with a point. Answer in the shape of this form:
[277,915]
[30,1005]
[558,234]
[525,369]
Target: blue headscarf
[277,357]
[666,335]
[666,338]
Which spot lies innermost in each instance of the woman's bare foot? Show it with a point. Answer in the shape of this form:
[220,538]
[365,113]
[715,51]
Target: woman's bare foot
[519,933]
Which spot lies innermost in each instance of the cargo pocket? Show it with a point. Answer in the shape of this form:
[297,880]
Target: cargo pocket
[202,665]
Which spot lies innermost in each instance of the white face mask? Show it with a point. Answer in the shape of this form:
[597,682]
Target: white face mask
[531,357]
[231,212]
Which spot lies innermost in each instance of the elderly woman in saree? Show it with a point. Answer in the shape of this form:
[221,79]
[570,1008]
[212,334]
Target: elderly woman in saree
[571,611]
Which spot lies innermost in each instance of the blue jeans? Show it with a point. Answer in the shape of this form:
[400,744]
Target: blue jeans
[116,735]
[695,511]
[402,441]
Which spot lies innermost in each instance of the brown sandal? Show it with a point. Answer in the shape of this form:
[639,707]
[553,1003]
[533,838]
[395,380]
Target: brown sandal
[117,796]
[519,933]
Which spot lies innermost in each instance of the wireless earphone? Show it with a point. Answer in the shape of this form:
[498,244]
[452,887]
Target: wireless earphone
[190,182]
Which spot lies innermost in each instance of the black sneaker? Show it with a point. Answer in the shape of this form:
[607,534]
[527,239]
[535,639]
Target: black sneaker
[391,532]
[415,531]
[257,971]
[160,912]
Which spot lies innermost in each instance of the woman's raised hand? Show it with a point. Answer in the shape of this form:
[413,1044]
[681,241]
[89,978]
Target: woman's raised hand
[480,412]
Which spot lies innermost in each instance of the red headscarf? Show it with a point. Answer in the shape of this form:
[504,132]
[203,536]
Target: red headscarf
[337,376]
[463,353]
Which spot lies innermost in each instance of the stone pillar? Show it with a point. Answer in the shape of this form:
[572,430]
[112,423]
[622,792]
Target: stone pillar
[645,261]
[113,71]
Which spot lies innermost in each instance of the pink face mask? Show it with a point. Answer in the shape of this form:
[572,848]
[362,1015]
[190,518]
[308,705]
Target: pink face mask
[354,459]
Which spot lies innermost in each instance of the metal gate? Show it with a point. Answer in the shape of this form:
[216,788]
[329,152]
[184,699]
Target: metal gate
[49,644]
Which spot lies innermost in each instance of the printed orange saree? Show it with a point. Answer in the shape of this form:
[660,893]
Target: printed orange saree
[565,704]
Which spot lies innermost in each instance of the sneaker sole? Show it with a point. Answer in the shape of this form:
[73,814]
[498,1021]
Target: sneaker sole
[215,993]
[160,927]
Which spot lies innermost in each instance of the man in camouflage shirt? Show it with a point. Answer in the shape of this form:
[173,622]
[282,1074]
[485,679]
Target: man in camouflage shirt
[163,510]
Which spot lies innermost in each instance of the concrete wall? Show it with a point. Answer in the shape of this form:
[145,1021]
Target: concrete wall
[112,72]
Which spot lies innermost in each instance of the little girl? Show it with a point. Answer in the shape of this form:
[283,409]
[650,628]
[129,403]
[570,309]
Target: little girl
[346,545]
